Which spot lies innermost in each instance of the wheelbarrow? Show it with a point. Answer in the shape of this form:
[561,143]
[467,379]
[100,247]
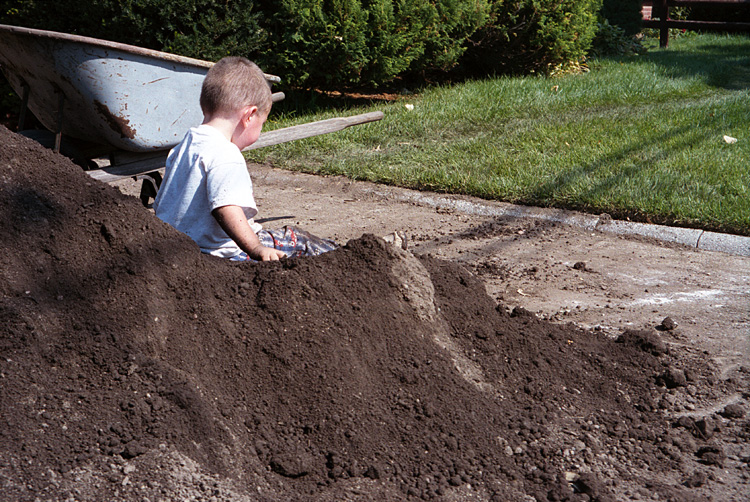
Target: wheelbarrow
[118,109]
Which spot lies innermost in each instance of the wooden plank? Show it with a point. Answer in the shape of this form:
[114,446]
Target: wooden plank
[660,9]
[738,3]
[312,129]
[699,25]
[129,164]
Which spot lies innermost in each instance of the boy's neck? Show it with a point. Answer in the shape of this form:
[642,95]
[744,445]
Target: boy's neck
[224,125]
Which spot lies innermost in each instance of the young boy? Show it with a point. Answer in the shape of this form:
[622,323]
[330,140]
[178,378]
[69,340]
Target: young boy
[207,192]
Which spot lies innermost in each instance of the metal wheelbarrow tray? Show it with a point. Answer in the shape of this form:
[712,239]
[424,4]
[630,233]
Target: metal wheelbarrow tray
[129,103]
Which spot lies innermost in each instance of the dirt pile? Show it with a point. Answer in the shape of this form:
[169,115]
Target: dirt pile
[135,368]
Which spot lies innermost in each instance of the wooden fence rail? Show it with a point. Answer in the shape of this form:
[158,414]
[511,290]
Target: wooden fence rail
[660,9]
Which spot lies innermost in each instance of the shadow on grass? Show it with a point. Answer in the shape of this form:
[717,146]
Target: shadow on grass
[725,66]
[657,209]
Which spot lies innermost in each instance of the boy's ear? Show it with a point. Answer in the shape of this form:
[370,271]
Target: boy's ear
[249,112]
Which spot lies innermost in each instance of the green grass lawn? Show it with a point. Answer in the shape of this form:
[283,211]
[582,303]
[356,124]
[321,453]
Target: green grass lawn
[639,137]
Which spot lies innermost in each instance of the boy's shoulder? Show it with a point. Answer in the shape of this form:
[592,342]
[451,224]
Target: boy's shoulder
[207,139]
[212,148]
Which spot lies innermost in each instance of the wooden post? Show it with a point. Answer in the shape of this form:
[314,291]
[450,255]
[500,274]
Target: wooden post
[663,24]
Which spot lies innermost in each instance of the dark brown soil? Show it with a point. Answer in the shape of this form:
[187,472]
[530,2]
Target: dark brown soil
[134,368]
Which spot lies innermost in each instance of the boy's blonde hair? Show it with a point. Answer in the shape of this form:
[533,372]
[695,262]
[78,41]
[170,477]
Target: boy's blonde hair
[232,83]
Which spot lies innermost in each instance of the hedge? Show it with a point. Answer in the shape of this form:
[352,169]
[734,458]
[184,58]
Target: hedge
[623,13]
[525,36]
[340,43]
[203,29]
[336,44]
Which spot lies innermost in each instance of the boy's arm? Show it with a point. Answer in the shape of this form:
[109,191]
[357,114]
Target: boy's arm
[234,222]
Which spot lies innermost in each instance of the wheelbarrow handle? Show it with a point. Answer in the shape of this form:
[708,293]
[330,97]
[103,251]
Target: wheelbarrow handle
[312,129]
[129,165]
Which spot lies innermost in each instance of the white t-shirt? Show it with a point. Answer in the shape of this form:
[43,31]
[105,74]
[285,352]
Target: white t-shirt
[204,172]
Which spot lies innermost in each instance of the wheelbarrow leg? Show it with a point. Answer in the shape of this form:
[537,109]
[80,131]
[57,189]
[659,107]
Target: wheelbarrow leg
[150,183]
[24,106]
[58,128]
[58,132]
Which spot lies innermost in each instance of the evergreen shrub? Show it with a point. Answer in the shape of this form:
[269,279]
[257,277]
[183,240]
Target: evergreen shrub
[335,44]
[524,36]
[204,29]
[612,40]
[456,21]
[341,43]
[624,13]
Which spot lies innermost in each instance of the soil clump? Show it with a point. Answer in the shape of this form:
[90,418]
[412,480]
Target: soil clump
[133,367]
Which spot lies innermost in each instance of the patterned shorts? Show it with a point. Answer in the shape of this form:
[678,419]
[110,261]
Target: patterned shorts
[292,241]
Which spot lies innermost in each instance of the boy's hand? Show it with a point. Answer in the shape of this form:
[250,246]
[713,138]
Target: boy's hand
[234,222]
[263,253]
